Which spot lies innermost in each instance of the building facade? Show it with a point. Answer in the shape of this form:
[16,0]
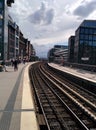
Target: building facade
[71,42]
[60,54]
[11,39]
[12,43]
[33,53]
[16,41]
[22,46]
[3,30]
[85,43]
[50,55]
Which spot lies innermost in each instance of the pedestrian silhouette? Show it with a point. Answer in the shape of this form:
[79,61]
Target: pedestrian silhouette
[15,63]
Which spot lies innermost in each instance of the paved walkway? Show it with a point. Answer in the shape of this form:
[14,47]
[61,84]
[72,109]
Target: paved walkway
[16,104]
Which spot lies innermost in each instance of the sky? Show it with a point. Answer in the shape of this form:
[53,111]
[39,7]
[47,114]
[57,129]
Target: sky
[49,22]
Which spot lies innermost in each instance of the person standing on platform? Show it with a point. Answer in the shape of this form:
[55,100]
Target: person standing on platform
[12,62]
[15,63]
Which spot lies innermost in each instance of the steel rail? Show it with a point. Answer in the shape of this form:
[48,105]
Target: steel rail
[87,94]
[33,82]
[49,79]
[93,106]
[73,114]
[63,124]
[77,103]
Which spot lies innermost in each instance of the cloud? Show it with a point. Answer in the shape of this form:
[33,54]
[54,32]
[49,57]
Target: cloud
[49,16]
[18,11]
[42,16]
[54,20]
[85,8]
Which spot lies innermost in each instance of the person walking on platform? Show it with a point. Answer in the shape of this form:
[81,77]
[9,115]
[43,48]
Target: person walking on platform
[15,63]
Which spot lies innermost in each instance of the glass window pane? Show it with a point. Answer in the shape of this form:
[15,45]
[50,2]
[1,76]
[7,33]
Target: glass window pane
[90,43]
[0,30]
[86,37]
[90,31]
[94,38]
[90,37]
[81,42]
[1,22]
[81,36]
[86,31]
[94,43]
[0,39]
[1,4]
[82,30]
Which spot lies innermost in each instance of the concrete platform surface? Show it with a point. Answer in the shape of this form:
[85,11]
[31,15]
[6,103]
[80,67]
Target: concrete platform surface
[16,104]
[91,76]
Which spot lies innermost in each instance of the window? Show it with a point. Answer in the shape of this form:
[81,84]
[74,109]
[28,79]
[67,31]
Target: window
[0,30]
[17,42]
[86,30]
[86,37]
[1,22]
[90,43]
[94,31]
[90,37]
[81,36]
[81,42]
[12,50]
[94,37]
[90,31]
[1,4]
[82,30]
[0,39]
[94,44]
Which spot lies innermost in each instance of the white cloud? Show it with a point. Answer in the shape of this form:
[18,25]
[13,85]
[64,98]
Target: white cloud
[85,8]
[42,16]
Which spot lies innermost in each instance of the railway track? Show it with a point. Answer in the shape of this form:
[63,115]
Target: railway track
[78,88]
[63,108]
[77,91]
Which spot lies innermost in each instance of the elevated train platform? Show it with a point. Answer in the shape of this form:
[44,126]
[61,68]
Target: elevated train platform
[84,78]
[17,111]
[84,74]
